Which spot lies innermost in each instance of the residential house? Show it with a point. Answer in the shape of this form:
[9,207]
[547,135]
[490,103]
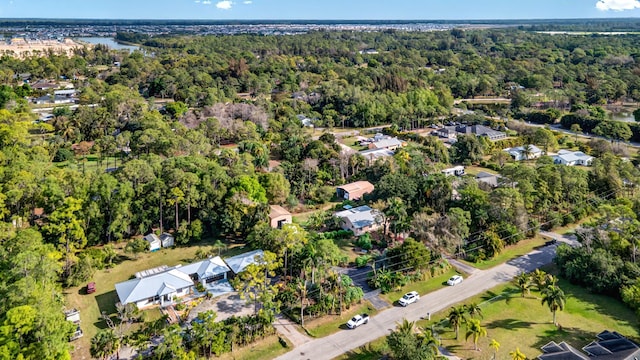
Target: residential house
[448,132]
[305,121]
[372,155]
[360,220]
[206,271]
[355,190]
[239,263]
[608,346]
[44,85]
[572,158]
[158,288]
[454,171]
[389,144]
[480,130]
[492,180]
[520,153]
[278,216]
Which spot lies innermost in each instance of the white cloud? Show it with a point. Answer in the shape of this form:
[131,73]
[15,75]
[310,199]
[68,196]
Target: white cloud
[617,5]
[247,2]
[206,2]
[224,5]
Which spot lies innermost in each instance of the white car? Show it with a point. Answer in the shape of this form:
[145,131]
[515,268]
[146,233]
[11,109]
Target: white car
[357,321]
[409,298]
[455,280]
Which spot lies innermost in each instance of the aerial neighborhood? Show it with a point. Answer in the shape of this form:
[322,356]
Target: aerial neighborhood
[320,191]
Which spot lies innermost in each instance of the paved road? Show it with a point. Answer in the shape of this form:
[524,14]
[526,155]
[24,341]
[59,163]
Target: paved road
[381,325]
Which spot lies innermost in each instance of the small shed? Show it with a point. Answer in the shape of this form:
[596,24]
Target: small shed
[154,241]
[278,216]
[355,190]
[166,240]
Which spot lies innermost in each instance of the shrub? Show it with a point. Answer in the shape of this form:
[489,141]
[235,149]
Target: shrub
[364,242]
[63,155]
[362,260]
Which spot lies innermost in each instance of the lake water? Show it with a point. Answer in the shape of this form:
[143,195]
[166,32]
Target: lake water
[110,42]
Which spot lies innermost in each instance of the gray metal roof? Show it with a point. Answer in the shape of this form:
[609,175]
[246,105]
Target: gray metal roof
[240,262]
[206,268]
[154,285]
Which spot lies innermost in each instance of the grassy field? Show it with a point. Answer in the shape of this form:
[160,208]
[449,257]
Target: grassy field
[91,306]
[523,323]
[422,287]
[353,143]
[521,248]
[330,324]
[267,348]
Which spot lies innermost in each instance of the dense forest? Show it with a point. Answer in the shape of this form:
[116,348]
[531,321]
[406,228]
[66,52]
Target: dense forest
[181,137]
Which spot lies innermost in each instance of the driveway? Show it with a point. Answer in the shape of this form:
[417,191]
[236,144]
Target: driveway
[382,324]
[225,306]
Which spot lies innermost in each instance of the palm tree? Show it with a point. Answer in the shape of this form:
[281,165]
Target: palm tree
[523,282]
[103,344]
[527,151]
[219,245]
[554,297]
[539,278]
[302,292]
[517,355]
[456,318]
[473,309]
[576,129]
[495,345]
[476,330]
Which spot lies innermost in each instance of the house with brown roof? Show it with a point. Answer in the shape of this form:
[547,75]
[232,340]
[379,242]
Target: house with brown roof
[278,216]
[355,190]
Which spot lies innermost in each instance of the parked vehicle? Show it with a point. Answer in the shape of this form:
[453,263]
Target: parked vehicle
[91,288]
[409,298]
[455,280]
[357,321]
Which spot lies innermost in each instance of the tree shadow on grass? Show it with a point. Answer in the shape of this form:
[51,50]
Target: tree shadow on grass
[365,352]
[106,305]
[511,324]
[575,337]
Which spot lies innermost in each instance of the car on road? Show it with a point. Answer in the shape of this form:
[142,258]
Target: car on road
[357,321]
[455,280]
[409,298]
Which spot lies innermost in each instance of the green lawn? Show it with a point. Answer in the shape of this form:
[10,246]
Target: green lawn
[510,252]
[330,324]
[422,287]
[523,323]
[103,300]
[353,143]
[268,348]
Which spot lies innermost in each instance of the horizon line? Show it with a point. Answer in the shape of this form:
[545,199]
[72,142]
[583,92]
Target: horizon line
[312,20]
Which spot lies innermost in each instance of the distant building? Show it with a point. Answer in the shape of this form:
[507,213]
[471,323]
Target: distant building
[278,216]
[452,132]
[572,158]
[389,144]
[305,121]
[157,242]
[355,190]
[492,180]
[372,155]
[360,220]
[519,153]
[607,346]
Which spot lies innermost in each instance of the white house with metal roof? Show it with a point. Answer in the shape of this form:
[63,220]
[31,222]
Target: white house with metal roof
[360,220]
[526,152]
[206,271]
[156,289]
[572,158]
[238,263]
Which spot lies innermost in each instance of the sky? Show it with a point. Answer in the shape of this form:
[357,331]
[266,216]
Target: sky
[319,9]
